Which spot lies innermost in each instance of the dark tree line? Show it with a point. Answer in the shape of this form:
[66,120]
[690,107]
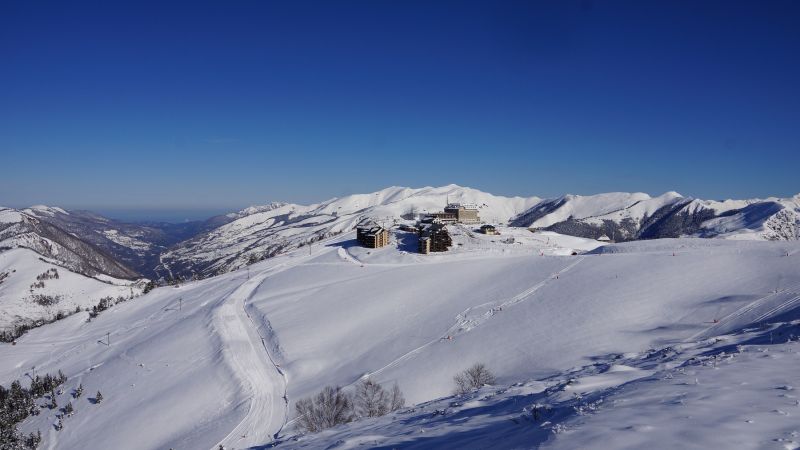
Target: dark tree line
[17,403]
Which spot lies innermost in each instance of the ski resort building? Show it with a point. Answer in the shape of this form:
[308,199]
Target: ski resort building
[434,237]
[372,236]
[488,229]
[458,213]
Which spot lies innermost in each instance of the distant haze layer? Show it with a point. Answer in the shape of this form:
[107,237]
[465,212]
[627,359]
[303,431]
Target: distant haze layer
[176,215]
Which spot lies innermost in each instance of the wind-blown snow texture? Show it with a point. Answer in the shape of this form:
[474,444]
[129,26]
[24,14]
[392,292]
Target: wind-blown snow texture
[223,360]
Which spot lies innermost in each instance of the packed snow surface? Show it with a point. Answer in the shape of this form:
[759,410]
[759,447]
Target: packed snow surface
[223,360]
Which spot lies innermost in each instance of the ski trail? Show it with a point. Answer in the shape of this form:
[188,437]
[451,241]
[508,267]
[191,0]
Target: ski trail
[277,366]
[262,379]
[259,380]
[752,307]
[460,328]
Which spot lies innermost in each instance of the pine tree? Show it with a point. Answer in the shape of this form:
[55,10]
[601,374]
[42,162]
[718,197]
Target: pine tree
[79,391]
[98,397]
[68,409]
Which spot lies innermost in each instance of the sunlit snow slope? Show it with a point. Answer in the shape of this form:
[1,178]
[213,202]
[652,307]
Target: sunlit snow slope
[223,360]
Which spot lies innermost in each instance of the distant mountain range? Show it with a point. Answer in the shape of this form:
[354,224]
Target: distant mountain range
[91,244]
[260,232]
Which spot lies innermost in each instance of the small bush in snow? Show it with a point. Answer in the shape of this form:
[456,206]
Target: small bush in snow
[472,378]
[327,409]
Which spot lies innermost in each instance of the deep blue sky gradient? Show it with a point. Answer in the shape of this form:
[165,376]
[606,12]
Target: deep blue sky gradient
[218,105]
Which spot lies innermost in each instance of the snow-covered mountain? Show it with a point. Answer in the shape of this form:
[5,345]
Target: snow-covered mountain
[623,216]
[259,232]
[34,289]
[264,231]
[48,272]
[136,245]
[26,229]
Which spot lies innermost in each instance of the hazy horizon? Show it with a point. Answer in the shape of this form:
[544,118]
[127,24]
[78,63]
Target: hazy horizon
[180,214]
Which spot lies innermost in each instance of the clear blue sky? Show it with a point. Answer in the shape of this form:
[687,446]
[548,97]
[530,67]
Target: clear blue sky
[215,105]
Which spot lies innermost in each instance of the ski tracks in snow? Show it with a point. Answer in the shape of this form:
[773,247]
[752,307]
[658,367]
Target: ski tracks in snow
[476,315]
[465,324]
[258,376]
[263,380]
[754,312]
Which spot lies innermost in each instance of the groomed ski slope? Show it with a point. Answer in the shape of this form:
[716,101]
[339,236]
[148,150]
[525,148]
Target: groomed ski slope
[223,360]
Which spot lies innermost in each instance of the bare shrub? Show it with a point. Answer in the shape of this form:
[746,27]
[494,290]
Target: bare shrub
[373,400]
[472,378]
[327,409]
[396,398]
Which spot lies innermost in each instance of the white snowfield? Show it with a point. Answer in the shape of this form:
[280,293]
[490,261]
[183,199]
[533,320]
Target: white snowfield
[223,360]
[19,269]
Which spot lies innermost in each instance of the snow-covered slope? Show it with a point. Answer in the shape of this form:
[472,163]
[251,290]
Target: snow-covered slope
[734,391]
[624,216]
[224,360]
[21,229]
[136,245]
[264,231]
[33,289]
[771,219]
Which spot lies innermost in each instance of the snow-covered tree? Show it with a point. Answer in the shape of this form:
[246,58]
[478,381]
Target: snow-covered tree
[98,397]
[53,402]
